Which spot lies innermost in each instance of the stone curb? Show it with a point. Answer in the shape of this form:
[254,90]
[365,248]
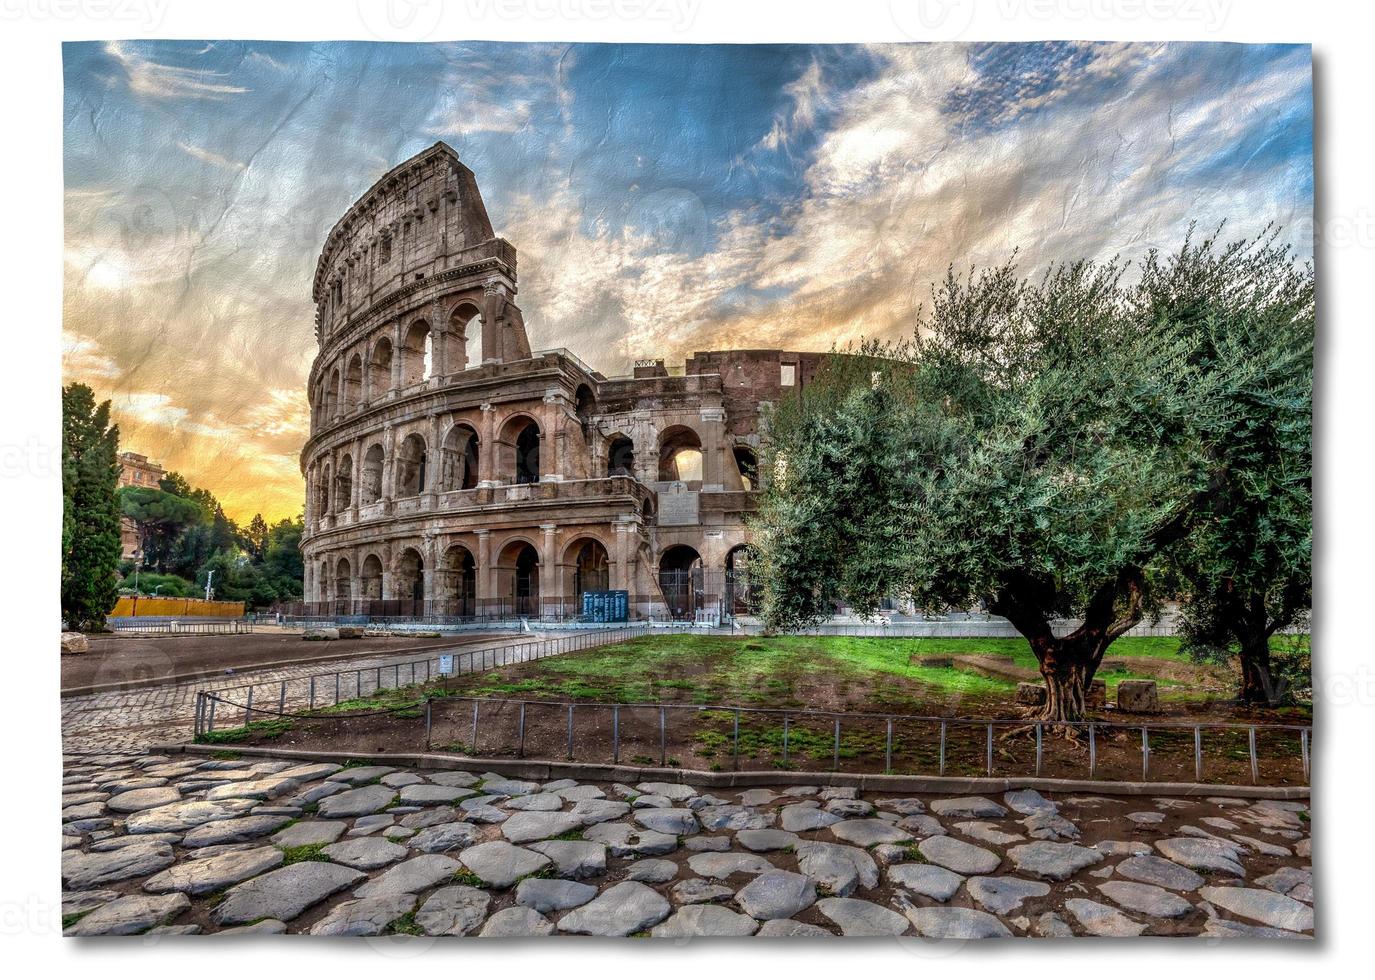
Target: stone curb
[545,770]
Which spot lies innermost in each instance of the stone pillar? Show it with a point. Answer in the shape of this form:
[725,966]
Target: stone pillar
[492,301]
[713,448]
[430,573]
[439,344]
[620,573]
[388,452]
[485,586]
[552,421]
[550,586]
[487,447]
[356,478]
[397,355]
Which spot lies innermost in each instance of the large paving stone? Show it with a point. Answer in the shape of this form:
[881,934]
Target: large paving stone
[521,828]
[653,871]
[453,777]
[307,832]
[1261,905]
[421,794]
[410,877]
[1100,920]
[953,922]
[177,817]
[734,817]
[930,880]
[1047,859]
[500,864]
[799,817]
[781,928]
[1136,896]
[517,921]
[1004,894]
[215,873]
[130,915]
[234,831]
[553,894]
[310,771]
[967,808]
[777,895]
[364,916]
[678,821]
[857,917]
[574,858]
[1155,870]
[619,911]
[959,856]
[358,775]
[509,787]
[135,861]
[543,802]
[839,868]
[623,840]
[446,837]
[365,853]
[143,799]
[453,911]
[704,920]
[767,840]
[283,894]
[723,865]
[599,811]
[1202,854]
[693,890]
[1028,801]
[267,788]
[356,802]
[678,792]
[867,833]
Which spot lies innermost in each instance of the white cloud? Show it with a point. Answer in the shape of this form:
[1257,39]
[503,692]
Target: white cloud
[207,156]
[160,81]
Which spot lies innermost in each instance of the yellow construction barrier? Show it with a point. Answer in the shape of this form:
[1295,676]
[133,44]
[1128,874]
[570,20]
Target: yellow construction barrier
[171,606]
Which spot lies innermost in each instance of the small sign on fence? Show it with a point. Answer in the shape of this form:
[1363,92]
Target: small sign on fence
[606,607]
[446,664]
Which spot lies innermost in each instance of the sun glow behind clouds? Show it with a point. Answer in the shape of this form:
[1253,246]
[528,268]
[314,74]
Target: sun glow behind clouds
[663,198]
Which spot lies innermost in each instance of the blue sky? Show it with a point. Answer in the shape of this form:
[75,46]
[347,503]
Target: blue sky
[664,199]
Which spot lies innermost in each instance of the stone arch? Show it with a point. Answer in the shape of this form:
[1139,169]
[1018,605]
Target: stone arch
[620,455]
[408,577]
[739,599]
[370,487]
[519,449]
[343,483]
[585,406]
[680,454]
[458,581]
[458,458]
[519,577]
[410,466]
[323,583]
[332,395]
[343,580]
[353,382]
[682,580]
[379,369]
[747,463]
[322,489]
[370,578]
[589,568]
[417,354]
[463,346]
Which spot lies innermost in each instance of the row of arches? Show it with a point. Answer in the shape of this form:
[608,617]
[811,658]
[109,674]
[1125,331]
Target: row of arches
[419,353]
[416,468]
[680,457]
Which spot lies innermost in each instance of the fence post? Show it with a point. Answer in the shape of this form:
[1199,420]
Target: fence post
[1303,750]
[785,740]
[248,707]
[988,752]
[1038,748]
[1251,745]
[520,743]
[942,749]
[1145,754]
[211,724]
[281,699]
[835,748]
[336,687]
[1093,753]
[888,748]
[312,692]
[196,716]
[429,724]
[616,733]
[476,703]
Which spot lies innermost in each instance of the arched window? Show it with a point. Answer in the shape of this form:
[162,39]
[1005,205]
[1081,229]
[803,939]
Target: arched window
[591,569]
[748,465]
[463,346]
[518,572]
[458,459]
[459,582]
[416,354]
[343,484]
[353,383]
[410,466]
[322,492]
[379,370]
[680,455]
[371,489]
[370,579]
[343,580]
[410,576]
[620,456]
[739,600]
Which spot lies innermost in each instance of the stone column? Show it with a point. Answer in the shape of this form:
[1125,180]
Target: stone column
[388,452]
[492,301]
[485,575]
[430,573]
[551,429]
[620,578]
[487,447]
[550,586]
[439,343]
[713,448]
[397,355]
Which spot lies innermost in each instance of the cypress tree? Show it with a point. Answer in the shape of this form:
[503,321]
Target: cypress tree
[90,509]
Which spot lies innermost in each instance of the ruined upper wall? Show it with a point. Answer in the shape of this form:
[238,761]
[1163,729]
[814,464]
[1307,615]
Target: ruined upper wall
[422,216]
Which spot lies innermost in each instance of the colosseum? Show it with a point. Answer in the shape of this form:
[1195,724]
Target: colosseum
[451,471]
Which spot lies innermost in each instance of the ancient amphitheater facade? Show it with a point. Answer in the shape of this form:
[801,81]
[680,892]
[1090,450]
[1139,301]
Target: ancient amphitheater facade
[453,472]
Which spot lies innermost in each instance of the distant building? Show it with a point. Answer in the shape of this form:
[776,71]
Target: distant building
[135,470]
